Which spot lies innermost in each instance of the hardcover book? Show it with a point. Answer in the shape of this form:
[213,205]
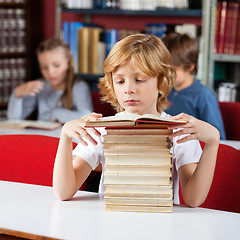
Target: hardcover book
[132,120]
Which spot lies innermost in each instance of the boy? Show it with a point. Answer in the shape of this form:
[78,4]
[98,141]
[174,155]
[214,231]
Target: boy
[189,95]
[138,77]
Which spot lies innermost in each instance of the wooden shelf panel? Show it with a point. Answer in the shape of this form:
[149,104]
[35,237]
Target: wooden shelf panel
[160,12]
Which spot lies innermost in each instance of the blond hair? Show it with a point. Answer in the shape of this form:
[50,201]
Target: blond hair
[150,55]
[51,44]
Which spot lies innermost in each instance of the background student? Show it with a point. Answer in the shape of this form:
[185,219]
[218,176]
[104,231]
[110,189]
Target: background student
[59,95]
[138,77]
[188,94]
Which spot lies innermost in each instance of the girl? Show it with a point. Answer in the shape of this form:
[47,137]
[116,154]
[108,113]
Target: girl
[59,96]
[138,77]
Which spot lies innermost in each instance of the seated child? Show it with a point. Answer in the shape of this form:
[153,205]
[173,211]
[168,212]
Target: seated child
[138,78]
[59,95]
[188,94]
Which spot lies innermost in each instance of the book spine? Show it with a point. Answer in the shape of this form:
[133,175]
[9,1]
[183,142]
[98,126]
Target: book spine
[222,27]
[233,27]
[218,21]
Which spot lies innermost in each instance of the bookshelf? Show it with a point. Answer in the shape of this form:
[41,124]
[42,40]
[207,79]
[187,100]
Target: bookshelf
[124,19]
[14,42]
[230,61]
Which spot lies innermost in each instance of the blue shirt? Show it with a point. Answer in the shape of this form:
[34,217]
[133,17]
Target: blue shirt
[49,105]
[200,102]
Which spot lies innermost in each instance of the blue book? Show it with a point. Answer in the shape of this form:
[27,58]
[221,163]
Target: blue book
[73,41]
[111,37]
[66,32]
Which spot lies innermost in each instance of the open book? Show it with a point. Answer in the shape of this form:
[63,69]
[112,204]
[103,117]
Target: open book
[21,124]
[131,120]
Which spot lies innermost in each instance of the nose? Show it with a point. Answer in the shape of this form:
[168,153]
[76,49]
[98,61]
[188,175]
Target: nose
[51,71]
[129,88]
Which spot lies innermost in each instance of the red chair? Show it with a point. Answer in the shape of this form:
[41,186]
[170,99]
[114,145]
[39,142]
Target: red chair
[28,158]
[101,107]
[231,118]
[224,193]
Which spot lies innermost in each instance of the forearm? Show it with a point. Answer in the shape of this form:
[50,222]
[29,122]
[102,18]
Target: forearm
[196,189]
[64,179]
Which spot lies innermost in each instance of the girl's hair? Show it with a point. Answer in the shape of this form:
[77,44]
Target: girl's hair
[184,50]
[150,56]
[51,44]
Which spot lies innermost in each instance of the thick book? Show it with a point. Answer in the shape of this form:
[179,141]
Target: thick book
[132,120]
[136,139]
[147,152]
[138,190]
[121,208]
[143,201]
[137,131]
[151,179]
[136,159]
[141,169]
[21,124]
[120,146]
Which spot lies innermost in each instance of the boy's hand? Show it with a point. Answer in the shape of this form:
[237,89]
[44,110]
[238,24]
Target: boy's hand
[75,129]
[195,129]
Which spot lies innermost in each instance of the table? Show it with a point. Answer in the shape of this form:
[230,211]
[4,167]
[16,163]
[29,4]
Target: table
[232,143]
[36,211]
[51,133]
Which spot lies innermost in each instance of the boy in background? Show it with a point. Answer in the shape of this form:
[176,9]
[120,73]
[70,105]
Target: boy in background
[189,95]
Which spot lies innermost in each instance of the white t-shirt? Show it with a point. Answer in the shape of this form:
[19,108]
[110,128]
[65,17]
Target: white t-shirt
[182,154]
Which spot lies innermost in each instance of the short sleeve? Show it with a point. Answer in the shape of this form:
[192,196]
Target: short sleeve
[185,153]
[91,154]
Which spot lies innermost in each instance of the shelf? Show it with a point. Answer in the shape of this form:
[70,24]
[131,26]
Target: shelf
[13,54]
[226,57]
[160,12]
[89,77]
[12,5]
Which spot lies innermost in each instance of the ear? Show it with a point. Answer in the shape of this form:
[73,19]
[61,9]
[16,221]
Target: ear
[191,68]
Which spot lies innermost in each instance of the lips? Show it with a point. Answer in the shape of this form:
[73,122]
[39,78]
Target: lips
[131,102]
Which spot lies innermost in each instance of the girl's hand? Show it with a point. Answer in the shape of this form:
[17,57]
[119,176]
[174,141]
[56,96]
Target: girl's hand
[75,129]
[29,88]
[195,129]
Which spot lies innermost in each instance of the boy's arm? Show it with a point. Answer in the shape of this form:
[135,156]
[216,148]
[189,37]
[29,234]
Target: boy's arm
[196,179]
[68,174]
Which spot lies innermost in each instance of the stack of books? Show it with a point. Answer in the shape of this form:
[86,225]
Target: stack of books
[138,166]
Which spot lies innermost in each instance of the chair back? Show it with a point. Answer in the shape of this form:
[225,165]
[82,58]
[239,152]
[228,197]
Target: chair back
[28,158]
[224,193]
[231,118]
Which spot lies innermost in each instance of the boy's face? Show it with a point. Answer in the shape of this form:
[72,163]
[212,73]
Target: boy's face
[135,92]
[54,66]
[184,78]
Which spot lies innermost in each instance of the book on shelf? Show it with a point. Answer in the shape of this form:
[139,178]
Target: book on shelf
[132,120]
[97,50]
[222,28]
[227,30]
[83,49]
[21,124]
